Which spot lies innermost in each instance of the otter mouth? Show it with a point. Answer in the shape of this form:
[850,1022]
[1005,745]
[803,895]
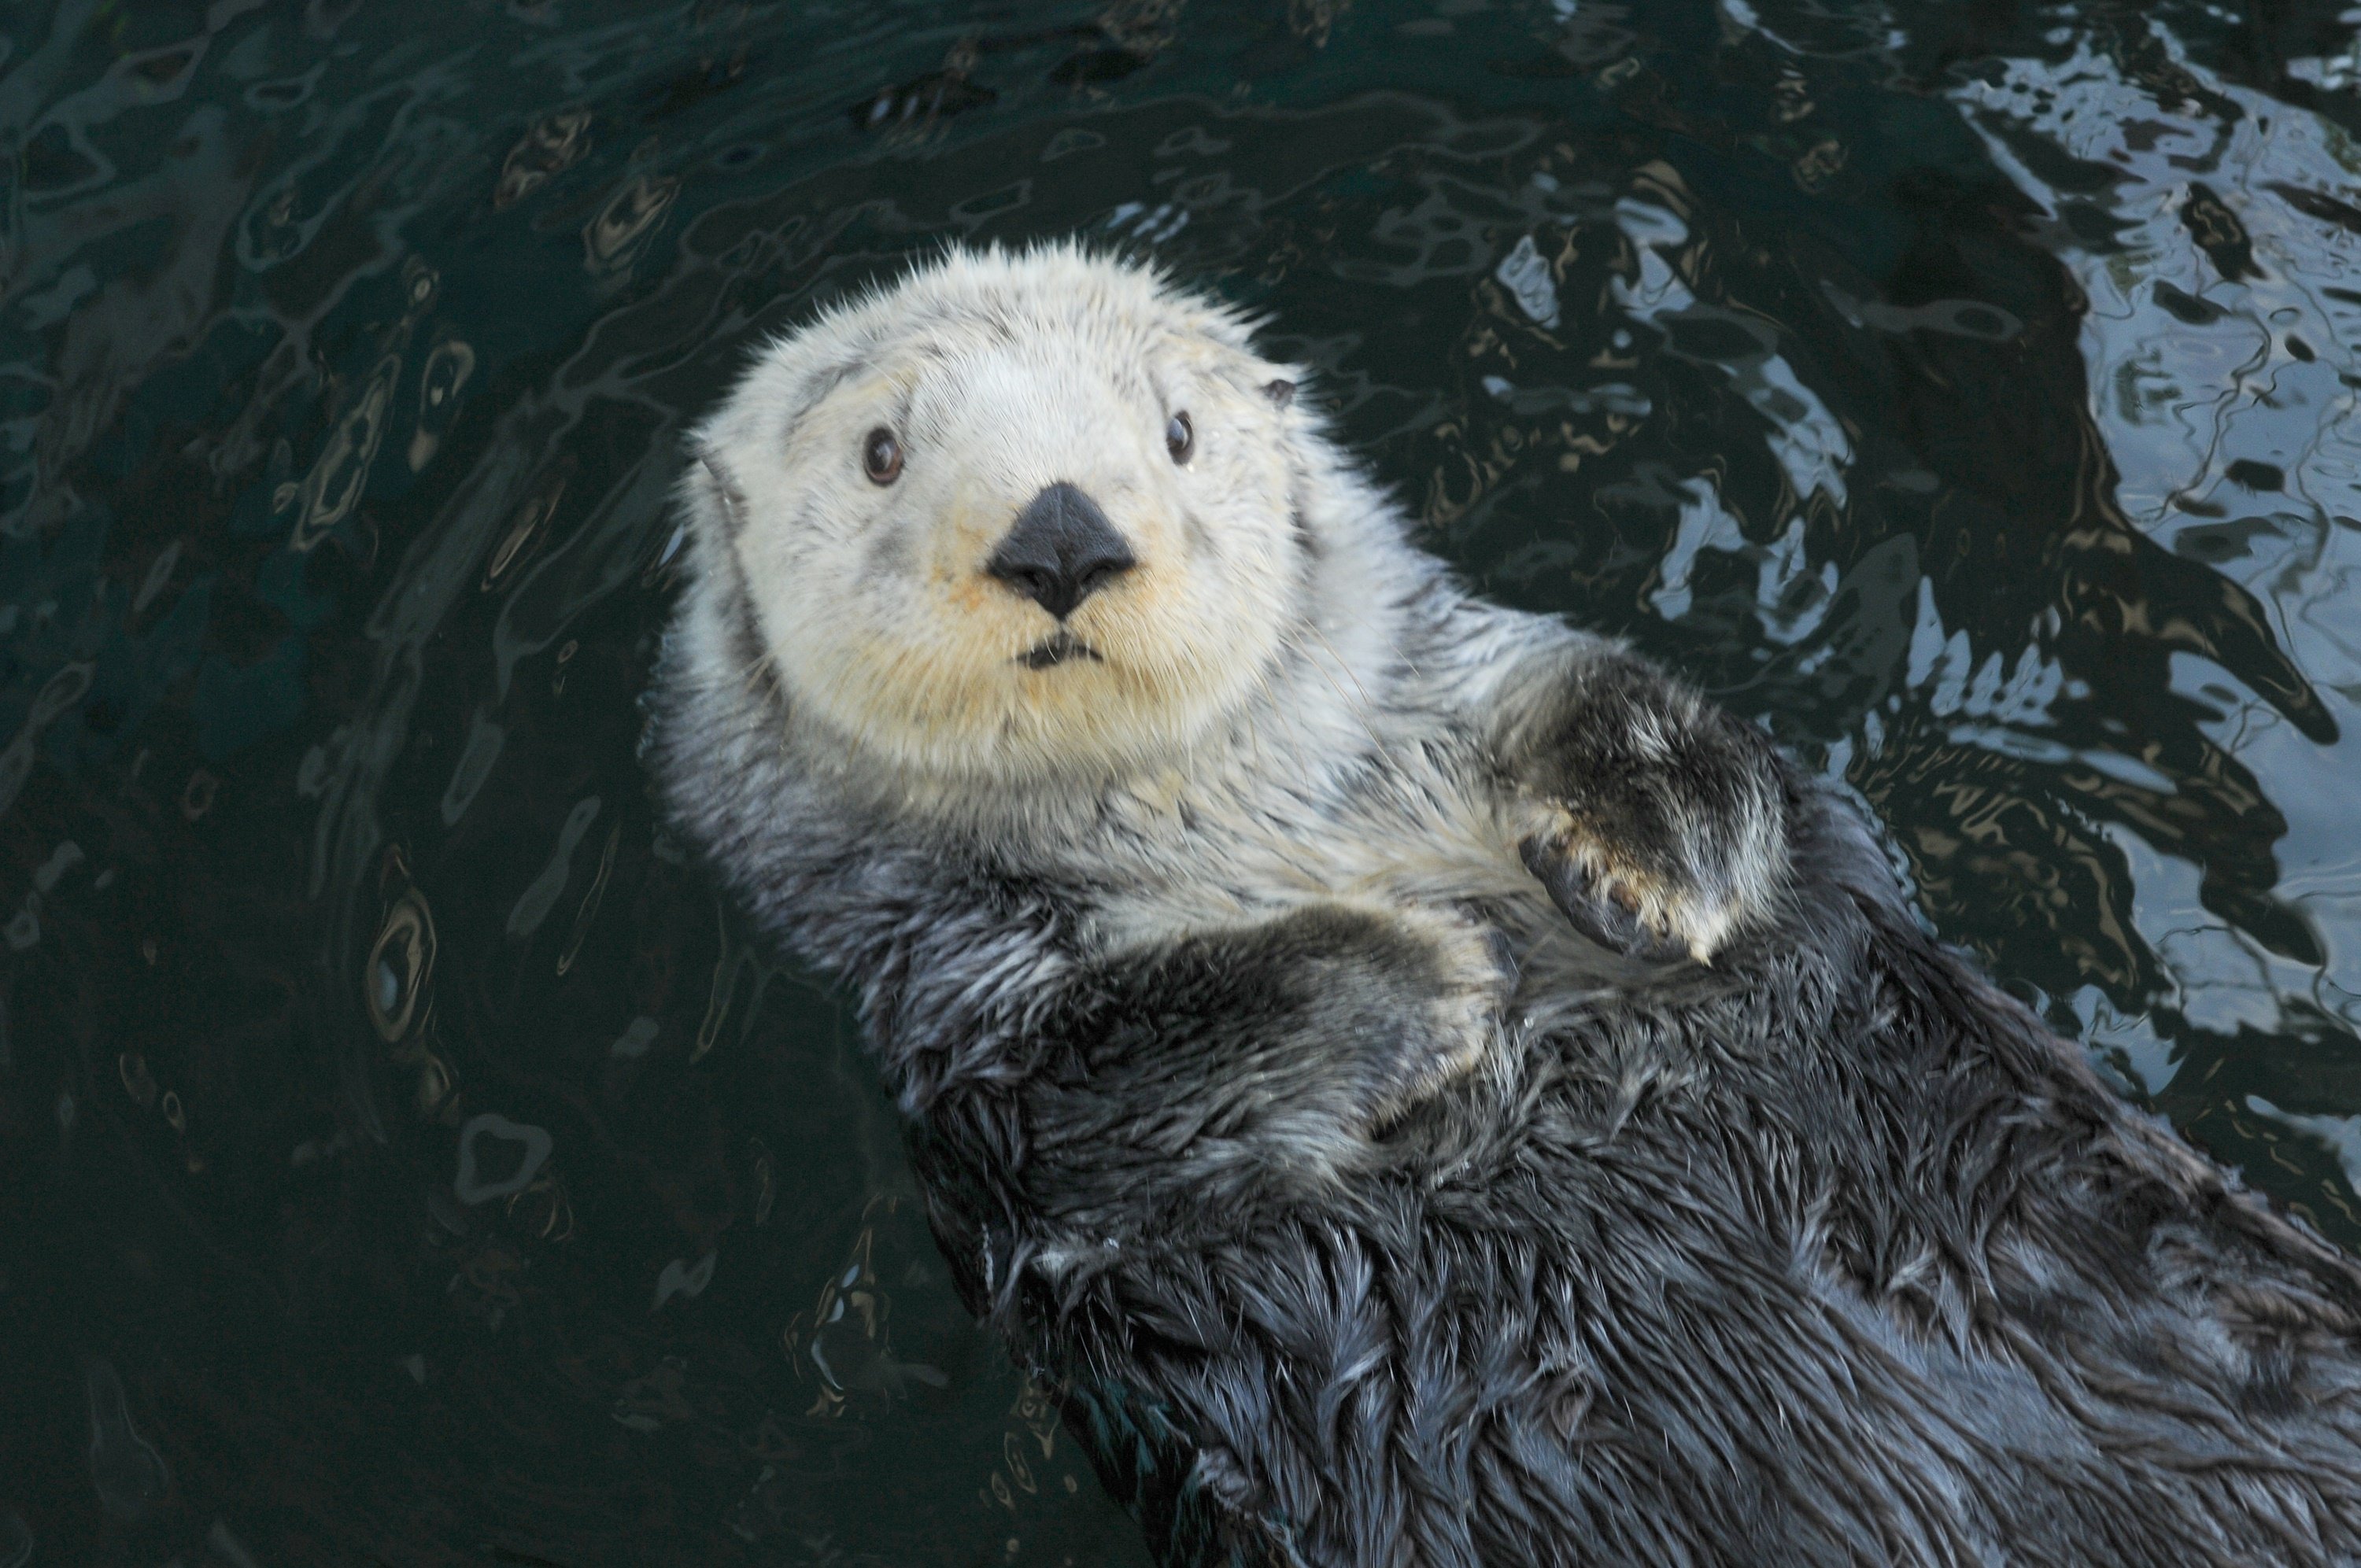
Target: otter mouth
[1055,650]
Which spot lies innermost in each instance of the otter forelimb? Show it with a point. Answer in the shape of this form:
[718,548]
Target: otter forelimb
[1655,818]
[1282,1044]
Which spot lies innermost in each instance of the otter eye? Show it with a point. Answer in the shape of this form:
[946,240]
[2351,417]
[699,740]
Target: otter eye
[881,456]
[1180,438]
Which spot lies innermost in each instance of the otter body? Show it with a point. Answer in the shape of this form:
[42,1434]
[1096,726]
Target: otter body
[1433,1089]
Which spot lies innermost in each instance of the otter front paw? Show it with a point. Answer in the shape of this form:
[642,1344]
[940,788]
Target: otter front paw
[1461,977]
[1655,820]
[1657,915]
[1285,1044]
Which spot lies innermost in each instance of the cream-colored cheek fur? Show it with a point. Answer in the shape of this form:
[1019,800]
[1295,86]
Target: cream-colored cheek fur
[875,600]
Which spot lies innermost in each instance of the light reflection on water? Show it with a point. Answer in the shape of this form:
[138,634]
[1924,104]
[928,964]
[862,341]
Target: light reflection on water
[2217,249]
[405,1157]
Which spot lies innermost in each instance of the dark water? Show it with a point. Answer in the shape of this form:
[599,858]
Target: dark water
[403,1159]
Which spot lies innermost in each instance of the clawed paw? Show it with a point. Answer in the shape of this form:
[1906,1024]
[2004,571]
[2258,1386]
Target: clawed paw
[1656,821]
[1657,916]
[1472,978]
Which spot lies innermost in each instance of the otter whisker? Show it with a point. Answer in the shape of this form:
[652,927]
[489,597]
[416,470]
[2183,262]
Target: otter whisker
[762,671]
[1342,664]
[1367,717]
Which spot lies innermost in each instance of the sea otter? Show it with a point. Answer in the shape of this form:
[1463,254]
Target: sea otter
[1431,1088]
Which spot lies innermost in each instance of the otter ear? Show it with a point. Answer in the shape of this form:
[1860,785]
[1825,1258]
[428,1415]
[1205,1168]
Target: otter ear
[726,491]
[1280,391]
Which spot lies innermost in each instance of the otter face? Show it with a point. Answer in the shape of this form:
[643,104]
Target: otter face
[1019,516]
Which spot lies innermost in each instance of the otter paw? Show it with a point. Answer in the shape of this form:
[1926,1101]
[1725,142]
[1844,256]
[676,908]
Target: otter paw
[1611,906]
[1656,820]
[1671,908]
[1469,978]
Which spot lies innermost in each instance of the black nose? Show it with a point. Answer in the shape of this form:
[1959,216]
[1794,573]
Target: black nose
[1060,550]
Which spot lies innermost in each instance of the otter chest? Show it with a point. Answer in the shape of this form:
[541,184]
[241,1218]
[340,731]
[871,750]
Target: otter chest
[1406,831]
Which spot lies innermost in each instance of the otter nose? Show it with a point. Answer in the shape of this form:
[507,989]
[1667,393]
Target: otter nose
[1060,550]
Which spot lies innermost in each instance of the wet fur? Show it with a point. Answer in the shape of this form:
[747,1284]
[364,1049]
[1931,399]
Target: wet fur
[1328,1093]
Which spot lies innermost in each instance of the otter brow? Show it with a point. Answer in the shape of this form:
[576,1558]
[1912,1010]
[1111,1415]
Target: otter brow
[819,385]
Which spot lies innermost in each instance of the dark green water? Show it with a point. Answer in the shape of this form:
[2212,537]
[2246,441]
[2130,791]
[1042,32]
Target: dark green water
[405,1160]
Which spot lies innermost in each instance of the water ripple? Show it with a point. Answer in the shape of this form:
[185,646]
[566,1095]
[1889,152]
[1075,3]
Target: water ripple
[1968,395]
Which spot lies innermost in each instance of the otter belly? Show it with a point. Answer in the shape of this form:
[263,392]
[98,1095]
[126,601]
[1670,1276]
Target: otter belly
[1832,1254]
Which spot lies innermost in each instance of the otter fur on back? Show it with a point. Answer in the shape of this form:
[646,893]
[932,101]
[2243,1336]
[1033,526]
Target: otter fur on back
[1432,1089]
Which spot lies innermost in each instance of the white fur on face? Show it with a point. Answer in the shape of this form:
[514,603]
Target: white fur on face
[1001,375]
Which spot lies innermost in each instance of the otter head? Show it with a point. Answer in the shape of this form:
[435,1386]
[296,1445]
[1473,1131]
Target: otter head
[1016,518]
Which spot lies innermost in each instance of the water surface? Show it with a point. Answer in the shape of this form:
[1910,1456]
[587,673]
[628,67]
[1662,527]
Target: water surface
[404,1159]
